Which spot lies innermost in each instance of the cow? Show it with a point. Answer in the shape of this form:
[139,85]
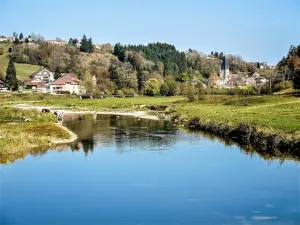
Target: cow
[26,119]
[59,117]
[45,110]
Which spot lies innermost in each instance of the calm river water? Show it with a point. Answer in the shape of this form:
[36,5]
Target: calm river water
[126,171]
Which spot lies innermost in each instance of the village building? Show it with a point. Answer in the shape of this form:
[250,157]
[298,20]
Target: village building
[2,84]
[44,75]
[66,84]
[36,84]
[57,42]
[214,81]
[255,75]
[3,38]
[250,81]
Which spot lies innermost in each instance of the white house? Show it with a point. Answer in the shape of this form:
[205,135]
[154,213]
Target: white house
[3,38]
[68,83]
[44,75]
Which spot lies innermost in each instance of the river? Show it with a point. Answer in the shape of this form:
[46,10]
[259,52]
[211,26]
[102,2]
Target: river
[130,171]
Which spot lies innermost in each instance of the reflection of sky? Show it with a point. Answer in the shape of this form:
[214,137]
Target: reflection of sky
[195,181]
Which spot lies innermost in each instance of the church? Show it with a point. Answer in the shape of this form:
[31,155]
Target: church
[224,71]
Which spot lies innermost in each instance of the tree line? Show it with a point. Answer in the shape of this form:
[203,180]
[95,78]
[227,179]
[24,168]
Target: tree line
[153,69]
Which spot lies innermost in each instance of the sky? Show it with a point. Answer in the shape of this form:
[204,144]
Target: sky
[257,30]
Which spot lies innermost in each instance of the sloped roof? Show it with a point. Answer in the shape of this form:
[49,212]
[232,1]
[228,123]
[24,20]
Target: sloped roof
[38,71]
[256,74]
[33,82]
[68,78]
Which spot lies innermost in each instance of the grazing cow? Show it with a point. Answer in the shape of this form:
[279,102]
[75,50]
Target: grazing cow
[59,117]
[25,119]
[45,110]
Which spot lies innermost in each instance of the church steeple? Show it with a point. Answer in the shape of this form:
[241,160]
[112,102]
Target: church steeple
[224,70]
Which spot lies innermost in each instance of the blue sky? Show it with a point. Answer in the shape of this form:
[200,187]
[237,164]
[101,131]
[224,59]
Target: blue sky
[258,30]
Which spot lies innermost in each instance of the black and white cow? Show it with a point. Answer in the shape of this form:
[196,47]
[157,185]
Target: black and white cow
[45,110]
[59,116]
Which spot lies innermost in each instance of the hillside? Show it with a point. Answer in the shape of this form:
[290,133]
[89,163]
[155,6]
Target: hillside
[23,70]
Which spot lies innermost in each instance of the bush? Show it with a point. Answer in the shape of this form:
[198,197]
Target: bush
[283,86]
[127,91]
[107,92]
[191,94]
[120,93]
[184,89]
[151,87]
[174,88]
[1,51]
[164,89]
[63,92]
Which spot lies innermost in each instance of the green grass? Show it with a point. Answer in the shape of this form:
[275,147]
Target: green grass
[17,136]
[110,103]
[23,70]
[274,113]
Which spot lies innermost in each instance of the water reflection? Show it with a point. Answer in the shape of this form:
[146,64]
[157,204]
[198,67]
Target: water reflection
[122,131]
[127,133]
[167,176]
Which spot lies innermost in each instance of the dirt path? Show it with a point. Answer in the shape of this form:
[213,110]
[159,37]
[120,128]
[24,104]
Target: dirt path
[140,114]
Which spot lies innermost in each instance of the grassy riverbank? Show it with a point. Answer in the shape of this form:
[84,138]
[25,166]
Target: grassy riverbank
[269,112]
[275,118]
[17,136]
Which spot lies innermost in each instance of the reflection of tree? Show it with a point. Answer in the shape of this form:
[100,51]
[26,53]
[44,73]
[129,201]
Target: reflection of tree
[87,146]
[133,133]
[123,131]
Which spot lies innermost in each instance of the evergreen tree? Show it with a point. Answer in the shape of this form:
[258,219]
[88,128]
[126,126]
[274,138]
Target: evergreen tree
[11,76]
[221,55]
[119,51]
[70,41]
[296,80]
[16,41]
[26,40]
[91,46]
[182,63]
[84,44]
[57,73]
[21,36]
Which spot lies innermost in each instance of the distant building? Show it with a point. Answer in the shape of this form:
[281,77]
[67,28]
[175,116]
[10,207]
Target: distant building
[56,42]
[3,38]
[68,83]
[44,75]
[2,84]
[224,70]
[255,75]
[36,84]
[215,81]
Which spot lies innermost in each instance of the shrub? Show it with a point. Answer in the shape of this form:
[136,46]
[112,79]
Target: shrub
[120,93]
[164,89]
[127,91]
[151,87]
[191,95]
[283,86]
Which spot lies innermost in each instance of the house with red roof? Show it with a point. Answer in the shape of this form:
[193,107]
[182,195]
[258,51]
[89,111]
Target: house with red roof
[36,84]
[66,84]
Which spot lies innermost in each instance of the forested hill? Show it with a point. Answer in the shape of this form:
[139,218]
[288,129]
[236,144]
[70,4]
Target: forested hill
[137,68]
[174,61]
